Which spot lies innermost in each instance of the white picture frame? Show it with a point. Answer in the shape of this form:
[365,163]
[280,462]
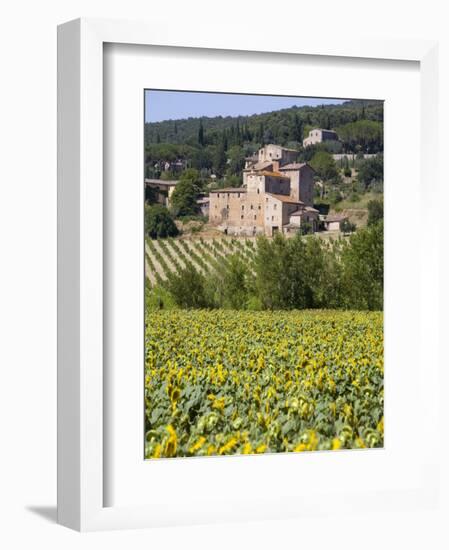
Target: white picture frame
[81,398]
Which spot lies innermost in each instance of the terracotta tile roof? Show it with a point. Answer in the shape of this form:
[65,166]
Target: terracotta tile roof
[335,218]
[284,198]
[229,190]
[274,174]
[295,166]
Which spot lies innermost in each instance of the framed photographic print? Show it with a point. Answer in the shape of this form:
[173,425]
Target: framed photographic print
[237,296]
[263,273]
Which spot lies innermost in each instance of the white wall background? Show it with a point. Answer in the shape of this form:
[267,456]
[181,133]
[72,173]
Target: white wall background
[28,267]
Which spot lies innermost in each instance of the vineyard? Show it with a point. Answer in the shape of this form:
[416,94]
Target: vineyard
[166,256]
[240,382]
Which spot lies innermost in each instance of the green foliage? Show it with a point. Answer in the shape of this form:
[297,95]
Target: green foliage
[375,211]
[219,159]
[188,288]
[236,160]
[362,263]
[233,181]
[296,273]
[324,165]
[371,170]
[302,272]
[158,298]
[347,227]
[284,126]
[159,222]
[201,134]
[183,200]
[363,135]
[235,285]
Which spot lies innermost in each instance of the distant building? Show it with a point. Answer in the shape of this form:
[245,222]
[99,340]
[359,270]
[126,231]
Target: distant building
[332,222]
[161,190]
[318,135]
[276,196]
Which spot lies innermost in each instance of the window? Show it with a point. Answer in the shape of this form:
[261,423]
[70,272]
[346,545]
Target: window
[238,195]
[252,207]
[241,217]
[243,207]
[275,206]
[258,207]
[272,218]
[255,217]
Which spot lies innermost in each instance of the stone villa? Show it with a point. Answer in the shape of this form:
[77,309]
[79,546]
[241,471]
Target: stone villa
[276,196]
[318,135]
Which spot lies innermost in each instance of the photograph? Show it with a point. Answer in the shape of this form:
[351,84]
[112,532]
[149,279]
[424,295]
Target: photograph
[264,274]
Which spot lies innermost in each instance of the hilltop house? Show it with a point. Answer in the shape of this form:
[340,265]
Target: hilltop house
[318,135]
[276,196]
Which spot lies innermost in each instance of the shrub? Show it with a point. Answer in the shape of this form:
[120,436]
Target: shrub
[375,211]
[158,222]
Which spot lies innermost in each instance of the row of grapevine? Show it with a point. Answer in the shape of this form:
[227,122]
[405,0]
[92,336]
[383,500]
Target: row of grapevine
[166,256]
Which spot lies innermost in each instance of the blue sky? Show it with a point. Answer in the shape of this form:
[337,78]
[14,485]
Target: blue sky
[165,105]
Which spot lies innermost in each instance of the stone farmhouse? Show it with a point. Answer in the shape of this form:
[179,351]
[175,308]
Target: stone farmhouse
[318,135]
[276,196]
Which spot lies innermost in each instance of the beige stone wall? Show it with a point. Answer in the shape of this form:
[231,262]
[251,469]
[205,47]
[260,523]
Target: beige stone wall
[237,212]
[313,137]
[255,183]
[278,186]
[301,184]
[333,226]
[306,186]
[270,152]
[276,152]
[277,214]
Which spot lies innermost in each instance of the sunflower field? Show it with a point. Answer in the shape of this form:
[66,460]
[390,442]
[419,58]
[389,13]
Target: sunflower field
[240,382]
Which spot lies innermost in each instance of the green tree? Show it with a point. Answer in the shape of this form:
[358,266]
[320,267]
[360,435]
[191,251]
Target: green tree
[324,165]
[235,285]
[187,288]
[362,265]
[371,170]
[268,268]
[297,129]
[366,134]
[219,159]
[236,160]
[201,134]
[375,211]
[159,222]
[183,200]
